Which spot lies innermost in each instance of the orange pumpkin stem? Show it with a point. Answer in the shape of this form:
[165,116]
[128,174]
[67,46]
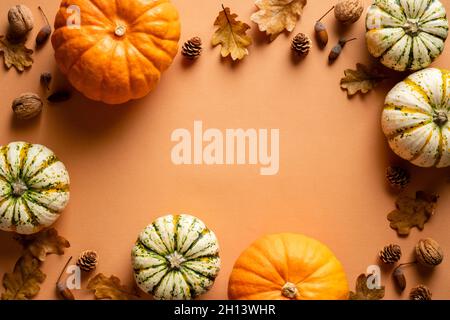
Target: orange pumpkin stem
[120,30]
[289,290]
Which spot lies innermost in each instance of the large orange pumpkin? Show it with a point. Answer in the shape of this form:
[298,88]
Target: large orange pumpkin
[287,267]
[116,50]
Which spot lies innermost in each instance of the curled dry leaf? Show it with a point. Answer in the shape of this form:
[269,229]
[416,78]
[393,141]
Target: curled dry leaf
[363,292]
[231,34]
[275,16]
[44,243]
[412,212]
[24,282]
[15,54]
[109,288]
[363,79]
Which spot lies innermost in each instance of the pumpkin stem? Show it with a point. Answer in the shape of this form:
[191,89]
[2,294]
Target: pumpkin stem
[440,118]
[289,290]
[411,27]
[18,188]
[175,260]
[120,30]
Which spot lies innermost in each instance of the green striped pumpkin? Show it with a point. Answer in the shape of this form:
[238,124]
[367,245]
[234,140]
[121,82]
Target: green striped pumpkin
[406,34]
[416,116]
[34,187]
[176,258]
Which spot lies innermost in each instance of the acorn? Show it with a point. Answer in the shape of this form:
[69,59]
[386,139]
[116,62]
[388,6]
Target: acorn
[45,32]
[337,50]
[321,30]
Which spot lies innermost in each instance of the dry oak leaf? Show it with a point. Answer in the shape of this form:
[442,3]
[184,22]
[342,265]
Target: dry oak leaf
[109,288]
[412,212]
[15,55]
[43,243]
[275,16]
[363,292]
[362,79]
[24,282]
[231,34]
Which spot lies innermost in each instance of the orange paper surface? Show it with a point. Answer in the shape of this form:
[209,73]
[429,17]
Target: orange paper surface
[333,154]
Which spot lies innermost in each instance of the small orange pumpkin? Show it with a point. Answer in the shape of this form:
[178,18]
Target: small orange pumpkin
[115,51]
[287,266]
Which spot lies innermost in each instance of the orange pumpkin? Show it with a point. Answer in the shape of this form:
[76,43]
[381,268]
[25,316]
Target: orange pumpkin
[287,267]
[115,51]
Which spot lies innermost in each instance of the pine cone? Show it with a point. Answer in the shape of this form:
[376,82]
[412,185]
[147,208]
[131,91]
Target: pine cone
[390,254]
[420,292]
[192,48]
[88,260]
[301,44]
[397,177]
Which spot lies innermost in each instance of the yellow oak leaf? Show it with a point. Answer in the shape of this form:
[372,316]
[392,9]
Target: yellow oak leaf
[109,288]
[412,212]
[43,243]
[15,54]
[362,79]
[363,290]
[231,34]
[24,282]
[275,16]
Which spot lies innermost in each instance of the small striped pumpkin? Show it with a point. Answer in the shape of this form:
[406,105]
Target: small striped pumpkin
[415,118]
[176,258]
[34,187]
[406,34]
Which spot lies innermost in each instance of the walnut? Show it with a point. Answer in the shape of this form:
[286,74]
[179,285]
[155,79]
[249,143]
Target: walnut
[20,21]
[348,11]
[27,106]
[429,252]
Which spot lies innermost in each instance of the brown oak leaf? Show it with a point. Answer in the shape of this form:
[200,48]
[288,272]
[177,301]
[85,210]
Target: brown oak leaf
[362,79]
[24,282]
[44,243]
[231,34]
[412,212]
[275,16]
[15,55]
[363,290]
[109,288]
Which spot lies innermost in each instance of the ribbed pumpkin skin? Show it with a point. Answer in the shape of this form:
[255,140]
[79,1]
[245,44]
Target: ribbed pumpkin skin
[111,68]
[274,260]
[409,118]
[176,258]
[34,187]
[406,34]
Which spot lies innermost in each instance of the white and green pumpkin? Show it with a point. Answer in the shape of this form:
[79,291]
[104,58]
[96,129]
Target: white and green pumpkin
[34,187]
[406,34]
[176,258]
[416,116]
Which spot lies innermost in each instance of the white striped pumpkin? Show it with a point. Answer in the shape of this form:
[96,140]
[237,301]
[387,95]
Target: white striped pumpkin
[406,34]
[416,116]
[34,187]
[176,258]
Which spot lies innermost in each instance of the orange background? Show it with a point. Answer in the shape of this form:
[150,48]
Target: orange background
[333,154]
